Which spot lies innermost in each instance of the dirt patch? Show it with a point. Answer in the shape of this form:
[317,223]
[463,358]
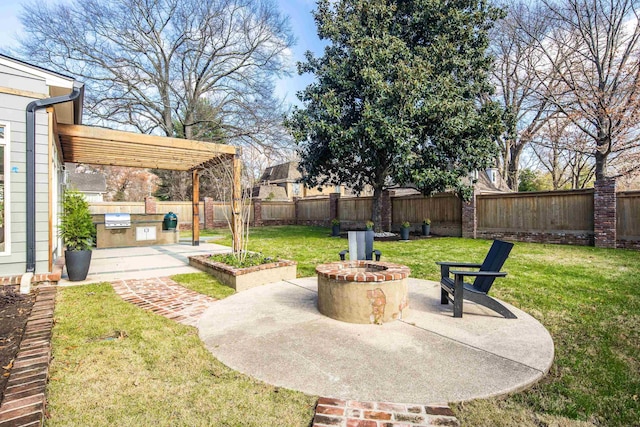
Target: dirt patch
[14,311]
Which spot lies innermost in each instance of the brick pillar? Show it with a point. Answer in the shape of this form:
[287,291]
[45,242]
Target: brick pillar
[386,210]
[150,205]
[257,212]
[334,198]
[469,218]
[604,213]
[208,212]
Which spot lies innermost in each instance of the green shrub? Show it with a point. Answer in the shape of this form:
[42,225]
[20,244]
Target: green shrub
[76,227]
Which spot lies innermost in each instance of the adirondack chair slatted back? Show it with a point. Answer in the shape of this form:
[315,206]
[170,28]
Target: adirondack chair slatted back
[360,245]
[494,261]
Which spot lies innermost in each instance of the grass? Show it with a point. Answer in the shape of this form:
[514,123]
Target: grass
[588,299]
[204,284]
[117,365]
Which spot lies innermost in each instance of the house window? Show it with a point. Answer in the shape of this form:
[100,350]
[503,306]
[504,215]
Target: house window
[296,189]
[4,188]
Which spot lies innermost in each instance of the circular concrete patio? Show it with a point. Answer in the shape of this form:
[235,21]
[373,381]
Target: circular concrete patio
[276,334]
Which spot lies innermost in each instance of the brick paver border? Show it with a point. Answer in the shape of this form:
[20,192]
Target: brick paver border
[165,297]
[24,398]
[351,413]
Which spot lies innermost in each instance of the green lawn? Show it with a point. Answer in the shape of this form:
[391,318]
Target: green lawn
[115,364]
[160,373]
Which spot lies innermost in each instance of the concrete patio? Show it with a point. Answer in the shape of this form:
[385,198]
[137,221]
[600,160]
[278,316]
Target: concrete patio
[275,333]
[108,265]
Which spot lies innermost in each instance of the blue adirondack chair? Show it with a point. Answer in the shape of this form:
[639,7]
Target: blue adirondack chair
[455,290]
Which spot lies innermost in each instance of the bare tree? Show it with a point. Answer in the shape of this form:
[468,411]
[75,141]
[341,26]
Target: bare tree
[148,64]
[563,151]
[519,89]
[592,74]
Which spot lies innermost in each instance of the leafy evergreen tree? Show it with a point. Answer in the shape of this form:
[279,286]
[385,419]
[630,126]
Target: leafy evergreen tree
[397,96]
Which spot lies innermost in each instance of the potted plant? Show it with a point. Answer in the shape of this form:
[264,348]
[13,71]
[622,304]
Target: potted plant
[404,230]
[426,226]
[77,231]
[335,227]
[368,225]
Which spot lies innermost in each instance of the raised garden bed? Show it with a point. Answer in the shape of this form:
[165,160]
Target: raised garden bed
[241,279]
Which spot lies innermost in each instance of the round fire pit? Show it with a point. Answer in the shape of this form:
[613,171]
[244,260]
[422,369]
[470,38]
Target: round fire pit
[363,291]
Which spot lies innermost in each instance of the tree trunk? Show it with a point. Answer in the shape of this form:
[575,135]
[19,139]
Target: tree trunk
[376,209]
[601,164]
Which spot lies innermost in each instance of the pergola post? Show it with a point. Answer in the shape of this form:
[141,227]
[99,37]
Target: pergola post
[236,205]
[195,204]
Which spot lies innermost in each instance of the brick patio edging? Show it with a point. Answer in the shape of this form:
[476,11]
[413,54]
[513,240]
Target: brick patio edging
[24,400]
[350,413]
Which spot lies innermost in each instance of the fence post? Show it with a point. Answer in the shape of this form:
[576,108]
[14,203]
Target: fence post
[208,212]
[386,210]
[334,198]
[257,212]
[470,217]
[150,205]
[604,213]
[295,205]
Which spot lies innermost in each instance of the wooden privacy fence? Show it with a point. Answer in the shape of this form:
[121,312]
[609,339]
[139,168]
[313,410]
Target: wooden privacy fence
[570,211]
[116,207]
[283,212]
[551,216]
[310,210]
[628,216]
[569,217]
[444,211]
[183,210]
[355,209]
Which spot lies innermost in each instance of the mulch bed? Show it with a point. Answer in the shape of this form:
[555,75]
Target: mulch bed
[14,311]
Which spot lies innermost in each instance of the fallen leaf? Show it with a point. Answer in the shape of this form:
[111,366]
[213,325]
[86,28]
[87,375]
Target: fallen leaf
[9,365]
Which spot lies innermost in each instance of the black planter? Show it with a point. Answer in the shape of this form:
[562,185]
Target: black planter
[77,263]
[426,229]
[404,233]
[335,230]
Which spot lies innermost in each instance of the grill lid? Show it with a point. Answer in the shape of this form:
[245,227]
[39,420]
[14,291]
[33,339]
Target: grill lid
[117,220]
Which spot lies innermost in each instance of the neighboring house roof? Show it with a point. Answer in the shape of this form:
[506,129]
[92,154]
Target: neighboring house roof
[485,184]
[271,192]
[284,172]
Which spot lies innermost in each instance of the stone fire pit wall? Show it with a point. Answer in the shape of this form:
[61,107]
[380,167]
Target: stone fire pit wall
[363,291]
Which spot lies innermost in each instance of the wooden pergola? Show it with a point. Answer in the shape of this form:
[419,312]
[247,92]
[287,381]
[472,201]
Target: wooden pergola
[101,146]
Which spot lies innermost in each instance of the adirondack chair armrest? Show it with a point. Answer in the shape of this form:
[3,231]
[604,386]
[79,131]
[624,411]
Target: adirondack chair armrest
[445,266]
[463,273]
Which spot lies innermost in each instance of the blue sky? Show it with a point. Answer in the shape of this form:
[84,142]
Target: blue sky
[299,11]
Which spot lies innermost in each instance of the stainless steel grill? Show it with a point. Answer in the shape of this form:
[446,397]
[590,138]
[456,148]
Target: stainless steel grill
[117,220]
